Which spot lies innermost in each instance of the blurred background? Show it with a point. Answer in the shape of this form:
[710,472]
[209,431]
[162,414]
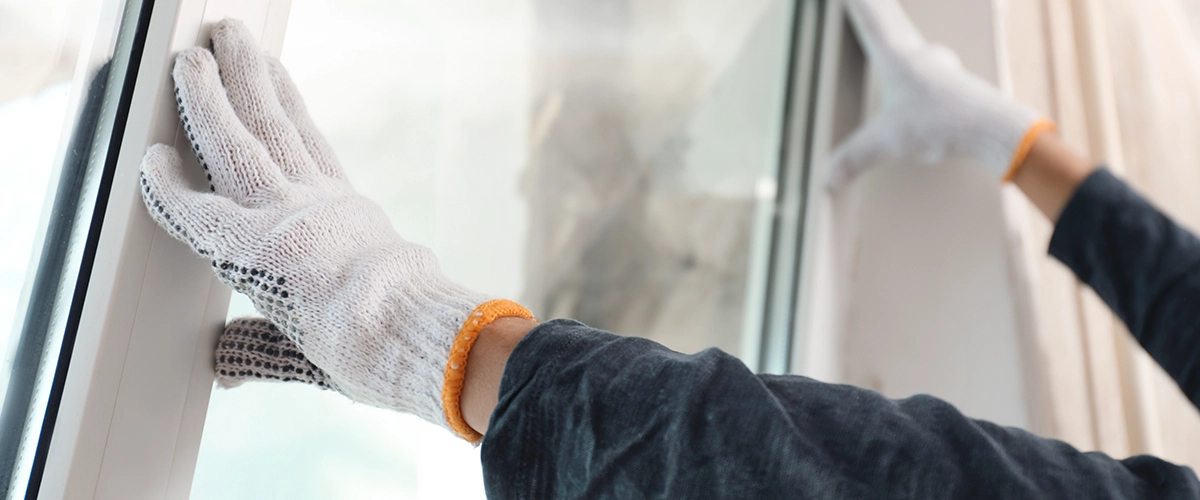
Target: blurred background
[615,162]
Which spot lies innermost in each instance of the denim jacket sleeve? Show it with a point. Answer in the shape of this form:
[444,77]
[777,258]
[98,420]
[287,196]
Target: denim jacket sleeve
[1145,267]
[587,414]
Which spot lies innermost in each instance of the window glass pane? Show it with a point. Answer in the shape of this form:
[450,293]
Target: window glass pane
[58,101]
[608,161]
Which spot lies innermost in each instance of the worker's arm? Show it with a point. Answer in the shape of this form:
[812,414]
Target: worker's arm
[584,413]
[1145,266]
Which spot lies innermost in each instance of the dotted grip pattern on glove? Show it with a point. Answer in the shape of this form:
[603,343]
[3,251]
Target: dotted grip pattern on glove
[254,349]
[280,223]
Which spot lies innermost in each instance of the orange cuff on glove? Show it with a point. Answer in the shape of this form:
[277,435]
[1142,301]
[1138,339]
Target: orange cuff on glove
[456,366]
[1039,127]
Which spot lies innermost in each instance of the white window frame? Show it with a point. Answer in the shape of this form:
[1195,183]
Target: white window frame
[840,106]
[137,389]
[138,386]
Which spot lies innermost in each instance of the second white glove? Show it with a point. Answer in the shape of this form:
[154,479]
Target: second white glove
[932,108]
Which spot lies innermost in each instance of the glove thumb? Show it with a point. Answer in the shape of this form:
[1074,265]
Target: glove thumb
[254,349]
[872,144]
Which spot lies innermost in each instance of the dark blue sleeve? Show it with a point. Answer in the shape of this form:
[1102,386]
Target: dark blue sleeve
[587,414]
[1143,265]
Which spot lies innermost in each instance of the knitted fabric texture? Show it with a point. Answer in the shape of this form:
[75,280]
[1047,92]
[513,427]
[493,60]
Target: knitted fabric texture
[280,223]
[254,349]
[931,108]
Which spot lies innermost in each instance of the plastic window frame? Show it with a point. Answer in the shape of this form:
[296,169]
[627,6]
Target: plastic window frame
[839,107]
[51,305]
[137,388]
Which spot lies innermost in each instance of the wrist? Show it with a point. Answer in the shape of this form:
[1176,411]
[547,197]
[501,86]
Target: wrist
[1051,173]
[485,368]
[479,346]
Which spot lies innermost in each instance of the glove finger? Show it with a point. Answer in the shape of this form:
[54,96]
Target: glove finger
[874,143]
[237,164]
[883,28]
[190,216]
[254,349]
[246,76]
[293,105]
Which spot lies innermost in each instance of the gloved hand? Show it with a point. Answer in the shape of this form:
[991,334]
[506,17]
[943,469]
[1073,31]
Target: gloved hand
[932,108]
[281,224]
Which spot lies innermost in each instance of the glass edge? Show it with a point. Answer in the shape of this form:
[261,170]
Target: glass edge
[104,133]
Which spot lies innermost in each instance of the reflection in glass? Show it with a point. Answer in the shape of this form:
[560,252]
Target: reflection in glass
[596,160]
[655,122]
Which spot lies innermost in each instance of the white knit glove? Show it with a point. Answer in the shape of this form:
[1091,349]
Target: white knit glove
[932,108]
[283,226]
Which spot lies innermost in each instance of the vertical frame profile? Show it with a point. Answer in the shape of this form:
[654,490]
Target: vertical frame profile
[59,287]
[137,387]
[781,277]
[839,97]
